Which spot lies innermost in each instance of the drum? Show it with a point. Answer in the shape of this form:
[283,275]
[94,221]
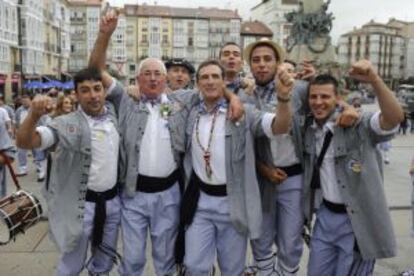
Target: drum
[18,212]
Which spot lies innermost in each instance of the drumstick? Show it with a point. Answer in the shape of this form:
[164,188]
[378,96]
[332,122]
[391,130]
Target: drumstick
[12,173]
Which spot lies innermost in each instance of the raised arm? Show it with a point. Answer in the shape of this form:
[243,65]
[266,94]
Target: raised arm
[236,109]
[97,59]
[27,137]
[391,111]
[282,122]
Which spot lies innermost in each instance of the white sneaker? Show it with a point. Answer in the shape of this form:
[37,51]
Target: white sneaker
[22,171]
[408,272]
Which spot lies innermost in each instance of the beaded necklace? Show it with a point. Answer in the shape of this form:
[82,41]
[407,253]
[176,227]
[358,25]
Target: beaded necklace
[206,151]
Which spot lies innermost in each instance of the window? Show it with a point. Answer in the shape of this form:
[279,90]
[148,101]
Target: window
[132,68]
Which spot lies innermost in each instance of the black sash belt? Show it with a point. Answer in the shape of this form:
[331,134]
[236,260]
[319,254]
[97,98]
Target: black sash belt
[188,209]
[335,207]
[100,199]
[213,190]
[292,170]
[148,184]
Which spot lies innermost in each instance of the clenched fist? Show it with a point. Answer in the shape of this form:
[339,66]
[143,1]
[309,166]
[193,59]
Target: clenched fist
[363,70]
[41,105]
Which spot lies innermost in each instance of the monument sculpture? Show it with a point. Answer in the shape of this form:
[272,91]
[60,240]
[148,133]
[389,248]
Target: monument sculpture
[309,37]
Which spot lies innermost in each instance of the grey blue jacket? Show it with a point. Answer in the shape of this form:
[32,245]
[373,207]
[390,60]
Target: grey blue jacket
[262,144]
[242,187]
[66,189]
[362,191]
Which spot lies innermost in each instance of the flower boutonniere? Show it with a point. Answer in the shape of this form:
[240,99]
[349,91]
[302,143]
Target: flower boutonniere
[165,110]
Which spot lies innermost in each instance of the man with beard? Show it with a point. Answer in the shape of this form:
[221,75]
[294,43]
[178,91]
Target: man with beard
[280,178]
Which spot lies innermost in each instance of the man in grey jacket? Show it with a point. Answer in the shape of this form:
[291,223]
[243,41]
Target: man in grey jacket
[82,194]
[222,198]
[279,168]
[343,179]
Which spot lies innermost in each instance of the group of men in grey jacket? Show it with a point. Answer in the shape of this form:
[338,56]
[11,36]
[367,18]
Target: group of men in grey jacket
[184,164]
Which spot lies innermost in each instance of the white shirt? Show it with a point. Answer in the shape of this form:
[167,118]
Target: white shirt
[104,154]
[156,158]
[283,150]
[329,186]
[4,115]
[217,149]
[23,115]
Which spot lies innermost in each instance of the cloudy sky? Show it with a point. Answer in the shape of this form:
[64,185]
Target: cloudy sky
[347,13]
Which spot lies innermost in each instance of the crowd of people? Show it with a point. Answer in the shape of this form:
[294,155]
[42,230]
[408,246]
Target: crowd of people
[206,170]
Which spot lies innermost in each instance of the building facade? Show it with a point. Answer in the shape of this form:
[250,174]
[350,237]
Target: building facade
[272,13]
[56,39]
[383,44]
[195,34]
[406,30]
[84,27]
[9,53]
[34,42]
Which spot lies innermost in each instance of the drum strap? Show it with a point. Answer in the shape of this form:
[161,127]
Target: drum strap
[100,199]
[12,173]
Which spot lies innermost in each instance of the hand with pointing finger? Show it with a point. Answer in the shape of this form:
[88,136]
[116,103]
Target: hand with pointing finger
[284,84]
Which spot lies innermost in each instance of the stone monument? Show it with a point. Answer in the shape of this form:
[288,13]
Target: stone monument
[309,38]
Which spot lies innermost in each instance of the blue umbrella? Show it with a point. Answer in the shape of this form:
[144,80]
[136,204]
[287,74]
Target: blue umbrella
[68,85]
[33,85]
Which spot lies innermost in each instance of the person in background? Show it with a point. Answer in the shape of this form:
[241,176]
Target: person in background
[385,148]
[231,59]
[7,151]
[64,105]
[179,73]
[38,155]
[403,125]
[74,98]
[10,112]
